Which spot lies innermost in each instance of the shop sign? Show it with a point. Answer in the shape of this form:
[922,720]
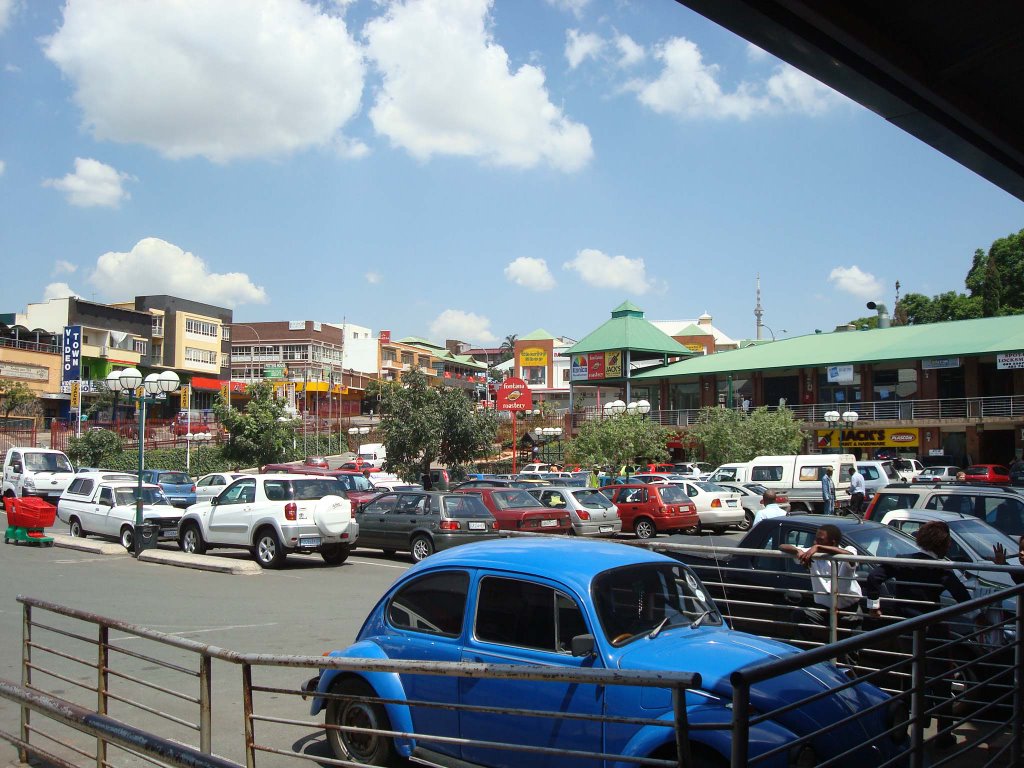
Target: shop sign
[186,397]
[579,368]
[76,396]
[30,372]
[1009,360]
[385,337]
[840,374]
[907,437]
[595,365]
[72,353]
[936,451]
[273,372]
[940,362]
[514,395]
[532,357]
[296,325]
[694,347]
[613,364]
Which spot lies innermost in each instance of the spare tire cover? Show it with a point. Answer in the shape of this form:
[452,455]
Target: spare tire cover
[332,514]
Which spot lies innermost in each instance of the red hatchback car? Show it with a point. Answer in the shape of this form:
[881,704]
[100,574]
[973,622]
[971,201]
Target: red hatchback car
[649,509]
[516,510]
[987,473]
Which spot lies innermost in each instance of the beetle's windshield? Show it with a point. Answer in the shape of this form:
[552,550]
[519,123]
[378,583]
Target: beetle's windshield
[632,601]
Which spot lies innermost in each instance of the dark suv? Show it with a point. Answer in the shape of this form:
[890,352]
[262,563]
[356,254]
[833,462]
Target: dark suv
[1001,508]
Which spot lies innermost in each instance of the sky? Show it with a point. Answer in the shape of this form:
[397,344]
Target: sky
[462,169]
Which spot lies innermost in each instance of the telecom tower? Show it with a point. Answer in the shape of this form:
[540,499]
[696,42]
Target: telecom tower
[758,311]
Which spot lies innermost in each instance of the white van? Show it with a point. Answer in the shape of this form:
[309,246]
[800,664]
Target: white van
[798,476]
[373,454]
[36,472]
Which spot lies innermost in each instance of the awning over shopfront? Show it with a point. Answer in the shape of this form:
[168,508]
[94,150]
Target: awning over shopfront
[206,384]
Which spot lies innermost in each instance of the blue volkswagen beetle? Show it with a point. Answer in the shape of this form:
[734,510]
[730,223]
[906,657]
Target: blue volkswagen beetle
[586,605]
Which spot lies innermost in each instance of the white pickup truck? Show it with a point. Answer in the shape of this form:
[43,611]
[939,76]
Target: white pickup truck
[36,472]
[272,516]
[103,504]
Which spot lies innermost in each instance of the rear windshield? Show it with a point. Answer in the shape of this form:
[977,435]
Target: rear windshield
[464,505]
[355,483]
[883,541]
[592,499]
[891,473]
[175,478]
[47,462]
[672,494]
[513,498]
[302,490]
[890,501]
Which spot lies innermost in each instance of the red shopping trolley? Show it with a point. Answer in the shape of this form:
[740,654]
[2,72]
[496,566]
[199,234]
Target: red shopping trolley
[26,519]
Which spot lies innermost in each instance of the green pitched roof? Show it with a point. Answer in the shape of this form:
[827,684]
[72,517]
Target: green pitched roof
[988,335]
[539,335]
[627,329]
[692,330]
[418,342]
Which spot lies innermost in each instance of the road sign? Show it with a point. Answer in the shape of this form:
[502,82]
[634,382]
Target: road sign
[514,395]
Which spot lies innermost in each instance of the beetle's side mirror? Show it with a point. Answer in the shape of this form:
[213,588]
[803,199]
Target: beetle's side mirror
[583,645]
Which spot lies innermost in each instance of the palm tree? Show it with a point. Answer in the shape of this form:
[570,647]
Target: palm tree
[508,347]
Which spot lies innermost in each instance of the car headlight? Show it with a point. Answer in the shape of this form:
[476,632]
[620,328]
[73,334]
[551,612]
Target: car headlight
[897,720]
[30,483]
[803,756]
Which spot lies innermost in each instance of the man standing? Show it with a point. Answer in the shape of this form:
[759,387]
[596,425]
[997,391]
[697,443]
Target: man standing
[769,510]
[828,492]
[594,478]
[857,492]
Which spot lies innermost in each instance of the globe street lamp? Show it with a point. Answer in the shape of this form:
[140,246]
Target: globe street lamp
[129,380]
[614,408]
[849,418]
[640,407]
[199,438]
[354,431]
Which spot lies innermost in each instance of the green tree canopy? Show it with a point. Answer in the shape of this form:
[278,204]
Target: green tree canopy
[617,441]
[421,424]
[16,397]
[95,448]
[726,435]
[261,432]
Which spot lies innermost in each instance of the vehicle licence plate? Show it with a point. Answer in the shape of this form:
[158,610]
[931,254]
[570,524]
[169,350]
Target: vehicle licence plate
[606,528]
[476,525]
[548,523]
[169,533]
[309,541]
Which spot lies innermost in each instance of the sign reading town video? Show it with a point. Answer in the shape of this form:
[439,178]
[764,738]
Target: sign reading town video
[596,366]
[71,370]
[869,438]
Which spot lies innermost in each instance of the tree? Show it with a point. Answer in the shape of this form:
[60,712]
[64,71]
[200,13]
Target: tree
[917,309]
[421,424]
[869,321]
[617,441]
[259,433]
[726,435]
[95,448]
[17,397]
[508,347]
[998,275]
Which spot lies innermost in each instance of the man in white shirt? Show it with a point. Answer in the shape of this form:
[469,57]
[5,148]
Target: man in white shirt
[857,491]
[769,510]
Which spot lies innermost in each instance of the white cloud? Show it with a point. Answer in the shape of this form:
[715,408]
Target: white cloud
[92,184]
[690,88]
[530,273]
[64,267]
[6,12]
[630,51]
[449,89]
[580,46]
[466,326]
[3,167]
[757,54]
[603,271]
[223,80]
[373,278]
[855,281]
[58,291]
[155,266]
[575,7]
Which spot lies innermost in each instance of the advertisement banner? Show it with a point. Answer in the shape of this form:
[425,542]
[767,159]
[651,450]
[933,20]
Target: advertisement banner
[905,437]
[514,395]
[595,365]
[385,337]
[1010,360]
[531,357]
[72,363]
[579,368]
[186,394]
[940,362]
[613,365]
[840,374]
[76,396]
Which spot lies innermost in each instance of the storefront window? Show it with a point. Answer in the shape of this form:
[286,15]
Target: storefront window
[836,394]
[684,397]
[894,384]
[535,376]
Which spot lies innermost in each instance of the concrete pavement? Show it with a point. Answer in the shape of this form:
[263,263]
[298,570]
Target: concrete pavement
[227,565]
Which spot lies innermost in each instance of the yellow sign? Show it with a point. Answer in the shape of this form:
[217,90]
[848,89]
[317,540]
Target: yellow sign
[224,392]
[694,347]
[612,365]
[906,437]
[76,395]
[186,392]
[531,357]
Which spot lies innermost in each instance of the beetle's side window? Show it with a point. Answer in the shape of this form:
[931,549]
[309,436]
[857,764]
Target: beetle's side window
[527,615]
[435,604]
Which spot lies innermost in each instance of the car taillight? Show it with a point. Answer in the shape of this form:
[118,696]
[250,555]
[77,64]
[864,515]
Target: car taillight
[193,488]
[716,503]
[870,511]
[583,514]
[451,525]
[290,510]
[691,507]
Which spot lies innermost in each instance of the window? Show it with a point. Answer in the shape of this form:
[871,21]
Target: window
[201,328]
[565,374]
[158,350]
[242,492]
[435,604]
[527,615]
[382,505]
[807,474]
[407,358]
[535,376]
[762,474]
[890,501]
[201,356]
[140,346]
[81,487]
[295,352]
[158,326]
[106,497]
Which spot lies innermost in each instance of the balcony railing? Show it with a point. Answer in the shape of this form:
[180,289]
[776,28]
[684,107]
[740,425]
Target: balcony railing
[31,346]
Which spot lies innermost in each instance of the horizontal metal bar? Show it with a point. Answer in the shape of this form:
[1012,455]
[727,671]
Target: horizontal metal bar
[152,711]
[68,680]
[65,633]
[50,737]
[50,760]
[85,662]
[154,660]
[152,686]
[111,730]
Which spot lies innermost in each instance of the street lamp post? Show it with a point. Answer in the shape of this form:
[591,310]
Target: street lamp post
[355,431]
[129,380]
[199,438]
[849,418]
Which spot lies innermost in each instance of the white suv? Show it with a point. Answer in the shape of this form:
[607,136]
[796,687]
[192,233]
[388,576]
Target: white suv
[272,516]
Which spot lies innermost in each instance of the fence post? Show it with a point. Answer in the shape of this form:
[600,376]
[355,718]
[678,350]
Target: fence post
[918,704]
[26,674]
[1017,744]
[102,681]
[740,724]
[205,704]
[682,726]
[250,736]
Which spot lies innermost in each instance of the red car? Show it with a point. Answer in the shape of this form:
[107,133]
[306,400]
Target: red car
[516,510]
[653,508]
[315,461]
[987,473]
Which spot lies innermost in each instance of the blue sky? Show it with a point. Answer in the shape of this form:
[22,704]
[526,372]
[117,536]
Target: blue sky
[457,168]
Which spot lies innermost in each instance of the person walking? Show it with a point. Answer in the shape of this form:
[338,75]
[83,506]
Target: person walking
[857,491]
[828,492]
[769,510]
